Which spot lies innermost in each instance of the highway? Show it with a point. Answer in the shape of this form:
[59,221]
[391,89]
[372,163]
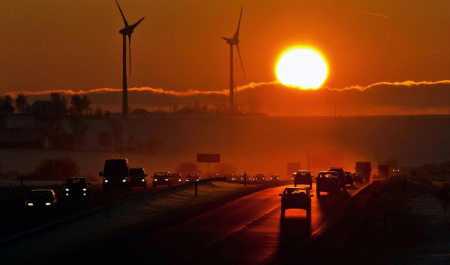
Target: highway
[249,230]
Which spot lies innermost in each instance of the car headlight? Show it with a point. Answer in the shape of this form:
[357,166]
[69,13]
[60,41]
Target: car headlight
[166,179]
[84,189]
[155,180]
[187,180]
[48,204]
[179,180]
[67,189]
[197,179]
[30,204]
[143,180]
[84,194]
[124,180]
[67,194]
[106,181]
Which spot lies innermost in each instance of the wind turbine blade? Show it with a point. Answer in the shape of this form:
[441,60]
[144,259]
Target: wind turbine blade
[129,51]
[137,23]
[236,34]
[124,20]
[240,59]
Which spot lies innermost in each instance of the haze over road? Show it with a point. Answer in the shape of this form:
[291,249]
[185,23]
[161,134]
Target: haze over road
[247,231]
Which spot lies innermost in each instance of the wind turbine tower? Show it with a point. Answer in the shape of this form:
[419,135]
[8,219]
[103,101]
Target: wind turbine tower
[234,42]
[126,31]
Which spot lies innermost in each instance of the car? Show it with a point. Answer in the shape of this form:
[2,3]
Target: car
[296,198]
[259,178]
[161,178]
[76,188]
[193,177]
[41,199]
[274,177]
[116,175]
[341,175]
[176,178]
[138,177]
[357,177]
[327,181]
[303,177]
[348,178]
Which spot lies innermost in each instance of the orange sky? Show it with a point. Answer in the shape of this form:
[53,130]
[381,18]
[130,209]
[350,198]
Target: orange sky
[52,44]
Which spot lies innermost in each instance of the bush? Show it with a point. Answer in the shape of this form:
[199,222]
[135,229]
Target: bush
[56,169]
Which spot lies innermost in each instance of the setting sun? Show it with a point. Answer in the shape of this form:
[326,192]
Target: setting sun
[302,68]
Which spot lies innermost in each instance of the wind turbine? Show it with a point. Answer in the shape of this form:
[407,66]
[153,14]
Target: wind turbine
[231,42]
[126,31]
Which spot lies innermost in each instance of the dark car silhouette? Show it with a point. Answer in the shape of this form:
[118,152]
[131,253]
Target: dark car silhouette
[349,178]
[41,198]
[327,181]
[76,187]
[138,177]
[296,198]
[116,175]
[341,176]
[303,177]
[274,177]
[193,177]
[161,178]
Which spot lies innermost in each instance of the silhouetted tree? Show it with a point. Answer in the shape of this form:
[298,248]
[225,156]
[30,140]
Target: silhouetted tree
[79,129]
[22,103]
[56,169]
[7,98]
[104,140]
[225,168]
[99,112]
[55,97]
[77,105]
[187,168]
[85,103]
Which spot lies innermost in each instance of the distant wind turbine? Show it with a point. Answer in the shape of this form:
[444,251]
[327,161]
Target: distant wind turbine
[231,42]
[126,31]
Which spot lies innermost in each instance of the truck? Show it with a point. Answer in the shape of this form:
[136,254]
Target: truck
[116,175]
[383,171]
[365,168]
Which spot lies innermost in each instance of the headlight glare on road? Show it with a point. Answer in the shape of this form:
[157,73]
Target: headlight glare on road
[67,194]
[84,194]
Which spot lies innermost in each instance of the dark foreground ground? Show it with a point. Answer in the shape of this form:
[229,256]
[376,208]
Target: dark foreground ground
[390,227]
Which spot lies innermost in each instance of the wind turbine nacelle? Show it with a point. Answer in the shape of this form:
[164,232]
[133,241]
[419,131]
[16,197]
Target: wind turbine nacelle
[126,31]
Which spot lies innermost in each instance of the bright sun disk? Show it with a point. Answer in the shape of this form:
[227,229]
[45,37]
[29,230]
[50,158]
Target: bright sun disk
[302,68]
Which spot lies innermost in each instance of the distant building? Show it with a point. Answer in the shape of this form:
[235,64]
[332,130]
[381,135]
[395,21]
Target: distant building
[6,108]
[47,108]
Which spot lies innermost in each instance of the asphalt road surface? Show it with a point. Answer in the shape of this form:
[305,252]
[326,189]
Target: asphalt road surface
[249,230]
